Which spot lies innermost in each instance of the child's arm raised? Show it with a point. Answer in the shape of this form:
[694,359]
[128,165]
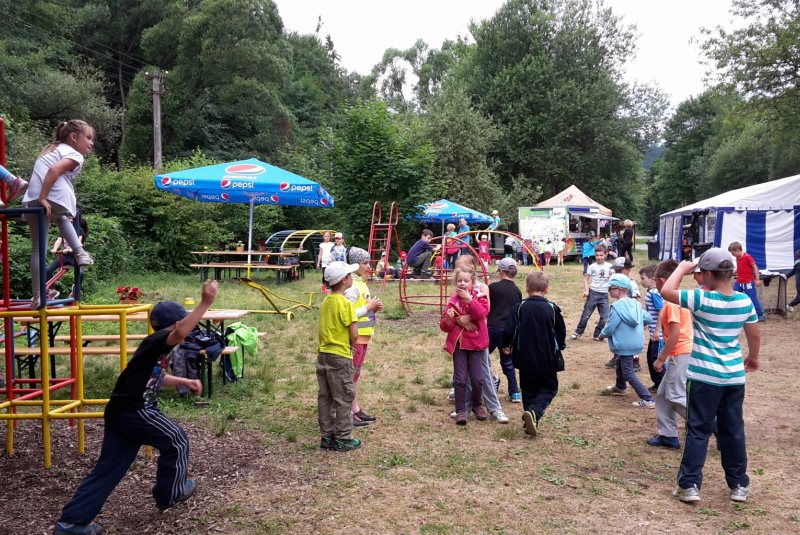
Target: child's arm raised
[670,291]
[753,335]
[187,324]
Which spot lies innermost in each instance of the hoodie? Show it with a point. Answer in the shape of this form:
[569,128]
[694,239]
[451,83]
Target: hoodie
[624,329]
[478,309]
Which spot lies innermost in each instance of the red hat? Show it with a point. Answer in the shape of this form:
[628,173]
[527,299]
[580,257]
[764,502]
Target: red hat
[403,255]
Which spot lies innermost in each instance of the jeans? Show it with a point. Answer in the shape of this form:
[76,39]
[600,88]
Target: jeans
[58,215]
[587,261]
[538,390]
[124,435]
[703,403]
[336,394]
[467,364]
[423,261]
[796,300]
[598,300]
[625,374]
[68,260]
[541,260]
[671,396]
[487,390]
[495,341]
[749,289]
[652,355]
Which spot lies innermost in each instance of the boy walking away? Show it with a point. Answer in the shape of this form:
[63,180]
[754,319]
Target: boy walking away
[595,291]
[715,378]
[653,303]
[366,306]
[503,295]
[626,339]
[747,277]
[338,333]
[132,418]
[676,323]
[419,256]
[535,335]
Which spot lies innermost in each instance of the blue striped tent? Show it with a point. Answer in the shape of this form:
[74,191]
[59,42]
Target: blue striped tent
[764,218]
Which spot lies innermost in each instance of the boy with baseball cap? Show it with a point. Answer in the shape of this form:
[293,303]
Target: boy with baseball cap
[338,333]
[339,250]
[715,377]
[132,418]
[503,295]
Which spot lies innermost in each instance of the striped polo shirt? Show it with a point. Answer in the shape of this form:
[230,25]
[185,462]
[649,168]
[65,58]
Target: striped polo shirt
[653,303]
[717,319]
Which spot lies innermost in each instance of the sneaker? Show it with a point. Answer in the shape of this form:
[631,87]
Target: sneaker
[52,294]
[664,442]
[452,395]
[740,493]
[480,413]
[762,317]
[500,416]
[574,336]
[612,363]
[461,418]
[347,445]
[188,490]
[366,417]
[653,389]
[327,443]
[2,205]
[637,367]
[15,192]
[516,397]
[83,259]
[597,339]
[63,528]
[496,383]
[531,425]
[645,404]
[789,308]
[614,391]
[692,494]
[358,422]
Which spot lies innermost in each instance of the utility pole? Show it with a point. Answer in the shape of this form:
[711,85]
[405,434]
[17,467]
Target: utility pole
[157,78]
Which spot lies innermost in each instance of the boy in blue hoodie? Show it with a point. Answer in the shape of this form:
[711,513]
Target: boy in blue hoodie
[626,338]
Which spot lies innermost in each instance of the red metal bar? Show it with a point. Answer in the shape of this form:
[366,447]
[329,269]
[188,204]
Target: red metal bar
[39,392]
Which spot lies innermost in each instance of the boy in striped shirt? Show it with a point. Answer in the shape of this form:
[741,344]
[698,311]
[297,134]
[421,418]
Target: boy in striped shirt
[716,374]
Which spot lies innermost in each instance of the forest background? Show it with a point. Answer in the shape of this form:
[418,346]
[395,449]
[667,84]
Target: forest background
[532,100]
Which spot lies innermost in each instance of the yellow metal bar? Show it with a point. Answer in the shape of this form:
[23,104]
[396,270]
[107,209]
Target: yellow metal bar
[95,401]
[44,364]
[37,402]
[123,343]
[9,437]
[5,404]
[72,405]
[70,415]
[79,377]
[22,416]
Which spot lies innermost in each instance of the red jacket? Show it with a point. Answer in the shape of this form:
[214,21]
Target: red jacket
[478,309]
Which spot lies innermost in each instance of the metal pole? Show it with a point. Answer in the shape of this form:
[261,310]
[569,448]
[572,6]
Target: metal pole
[157,121]
[250,233]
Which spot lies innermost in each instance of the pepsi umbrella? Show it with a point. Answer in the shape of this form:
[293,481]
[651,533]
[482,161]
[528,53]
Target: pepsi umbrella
[247,182]
[444,211]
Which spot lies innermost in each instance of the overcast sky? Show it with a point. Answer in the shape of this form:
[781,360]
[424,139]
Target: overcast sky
[362,29]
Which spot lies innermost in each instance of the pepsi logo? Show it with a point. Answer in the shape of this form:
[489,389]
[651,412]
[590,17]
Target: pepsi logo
[274,198]
[437,205]
[454,214]
[225,184]
[245,169]
[166,181]
[225,197]
[324,202]
[284,186]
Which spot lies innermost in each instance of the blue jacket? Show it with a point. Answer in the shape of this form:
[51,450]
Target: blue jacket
[588,248]
[624,328]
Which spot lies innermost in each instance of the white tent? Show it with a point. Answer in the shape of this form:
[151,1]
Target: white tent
[764,218]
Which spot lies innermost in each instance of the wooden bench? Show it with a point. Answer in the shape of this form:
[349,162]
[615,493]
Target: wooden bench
[218,267]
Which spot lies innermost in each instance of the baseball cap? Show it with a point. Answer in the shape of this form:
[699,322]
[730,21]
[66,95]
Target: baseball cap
[507,264]
[166,313]
[383,253]
[494,212]
[336,271]
[358,255]
[338,235]
[403,255]
[712,258]
[619,280]
[622,262]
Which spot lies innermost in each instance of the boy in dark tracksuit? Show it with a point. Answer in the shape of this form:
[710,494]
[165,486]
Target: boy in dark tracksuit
[132,418]
[535,335]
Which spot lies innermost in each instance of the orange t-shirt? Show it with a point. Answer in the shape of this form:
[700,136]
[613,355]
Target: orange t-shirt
[672,313]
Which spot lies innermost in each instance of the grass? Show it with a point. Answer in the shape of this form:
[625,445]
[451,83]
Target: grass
[418,473]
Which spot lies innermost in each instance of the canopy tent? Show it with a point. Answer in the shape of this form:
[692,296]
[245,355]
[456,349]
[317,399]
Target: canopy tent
[572,197]
[247,182]
[764,218]
[444,211]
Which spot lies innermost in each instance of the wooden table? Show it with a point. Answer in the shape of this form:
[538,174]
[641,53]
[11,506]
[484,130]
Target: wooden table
[206,263]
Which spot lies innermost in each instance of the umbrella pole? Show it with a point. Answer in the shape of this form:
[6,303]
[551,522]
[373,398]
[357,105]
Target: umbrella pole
[250,238]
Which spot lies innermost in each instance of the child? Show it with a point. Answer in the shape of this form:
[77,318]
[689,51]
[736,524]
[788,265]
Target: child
[495,221]
[587,253]
[676,323]
[715,378]
[467,348]
[796,272]
[463,233]
[483,251]
[508,247]
[535,336]
[503,295]
[324,256]
[623,265]
[747,277]
[596,294]
[338,333]
[452,249]
[542,249]
[15,186]
[548,252]
[625,339]
[366,306]
[132,418]
[51,188]
[560,245]
[653,303]
[339,250]
[382,269]
[419,256]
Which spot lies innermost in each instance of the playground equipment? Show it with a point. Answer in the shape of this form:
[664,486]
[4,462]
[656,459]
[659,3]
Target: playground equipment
[269,295]
[24,397]
[443,296]
[380,239]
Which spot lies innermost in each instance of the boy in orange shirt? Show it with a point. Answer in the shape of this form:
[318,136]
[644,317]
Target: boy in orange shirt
[676,326]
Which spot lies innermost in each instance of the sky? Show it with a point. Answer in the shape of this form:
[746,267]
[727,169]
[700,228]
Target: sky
[363,29]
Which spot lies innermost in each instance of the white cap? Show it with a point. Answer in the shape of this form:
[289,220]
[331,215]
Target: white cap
[338,235]
[336,271]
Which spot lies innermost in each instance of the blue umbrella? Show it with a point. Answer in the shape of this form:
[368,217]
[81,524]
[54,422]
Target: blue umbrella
[444,211]
[245,182]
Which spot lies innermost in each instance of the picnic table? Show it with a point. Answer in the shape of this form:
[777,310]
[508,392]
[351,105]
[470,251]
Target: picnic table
[223,264]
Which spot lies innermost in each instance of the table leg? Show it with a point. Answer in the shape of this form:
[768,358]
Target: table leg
[210,377]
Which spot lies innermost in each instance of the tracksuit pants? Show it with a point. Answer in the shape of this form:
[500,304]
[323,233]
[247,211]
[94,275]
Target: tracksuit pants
[495,341]
[749,289]
[538,390]
[671,396]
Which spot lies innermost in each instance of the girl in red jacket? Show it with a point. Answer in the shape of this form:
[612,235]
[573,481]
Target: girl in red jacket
[467,348]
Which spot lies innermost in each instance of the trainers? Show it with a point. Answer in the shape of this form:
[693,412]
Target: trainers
[15,192]
[366,417]
[327,443]
[612,363]
[496,383]
[645,404]
[63,528]
[789,308]
[614,391]
[52,294]
[574,336]
[500,416]
[664,442]
[188,490]
[83,259]
[740,493]
[637,367]
[461,418]
[597,339]
[516,397]
[531,424]
[480,413]
[692,494]
[653,389]
[452,395]
[762,317]
[347,445]
[358,422]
